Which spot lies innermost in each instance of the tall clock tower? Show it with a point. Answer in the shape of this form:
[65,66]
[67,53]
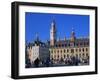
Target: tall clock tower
[73,35]
[53,33]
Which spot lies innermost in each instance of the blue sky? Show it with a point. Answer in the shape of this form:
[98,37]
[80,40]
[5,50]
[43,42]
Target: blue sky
[41,23]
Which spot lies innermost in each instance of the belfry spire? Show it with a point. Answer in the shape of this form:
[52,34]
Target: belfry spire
[53,33]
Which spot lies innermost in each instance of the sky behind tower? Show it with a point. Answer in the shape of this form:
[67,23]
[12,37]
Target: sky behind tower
[40,23]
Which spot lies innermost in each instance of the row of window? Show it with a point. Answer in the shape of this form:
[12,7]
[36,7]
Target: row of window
[69,50]
[67,56]
[73,44]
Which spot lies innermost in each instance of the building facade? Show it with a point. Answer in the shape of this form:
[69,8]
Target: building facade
[37,50]
[61,50]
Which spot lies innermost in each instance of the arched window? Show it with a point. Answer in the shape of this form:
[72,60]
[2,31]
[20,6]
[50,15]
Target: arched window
[79,55]
[67,55]
[86,54]
[67,50]
[64,50]
[86,49]
[83,55]
[83,49]
[58,56]
[80,50]
[61,51]
[64,56]
[58,51]
[72,50]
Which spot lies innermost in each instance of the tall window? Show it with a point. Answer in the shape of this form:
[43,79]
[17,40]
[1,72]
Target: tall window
[72,50]
[67,50]
[61,51]
[64,50]
[76,55]
[86,54]
[83,55]
[86,49]
[64,56]
[80,50]
[83,49]
[79,55]
[58,51]
[58,56]
[67,55]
